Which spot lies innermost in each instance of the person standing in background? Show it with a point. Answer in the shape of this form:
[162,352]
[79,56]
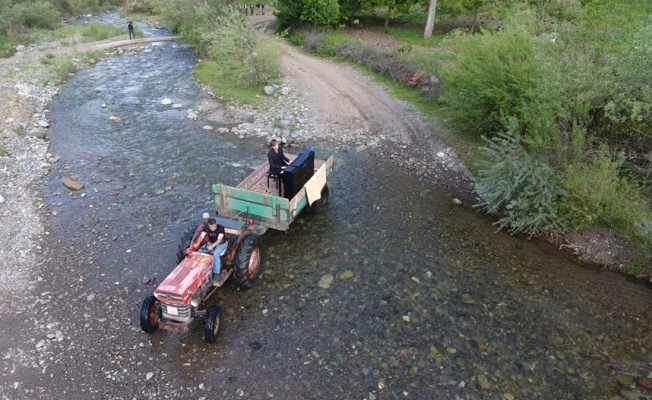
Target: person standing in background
[130,27]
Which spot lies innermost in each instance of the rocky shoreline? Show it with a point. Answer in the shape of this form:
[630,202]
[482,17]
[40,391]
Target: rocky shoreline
[23,134]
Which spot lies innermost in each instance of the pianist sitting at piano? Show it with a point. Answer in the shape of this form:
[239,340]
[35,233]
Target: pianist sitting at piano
[277,160]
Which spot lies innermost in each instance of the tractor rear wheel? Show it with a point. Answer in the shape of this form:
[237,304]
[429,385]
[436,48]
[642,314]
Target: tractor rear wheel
[150,314]
[319,205]
[248,260]
[213,323]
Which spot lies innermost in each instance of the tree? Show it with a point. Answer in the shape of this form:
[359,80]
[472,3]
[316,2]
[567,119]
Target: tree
[430,22]
[319,13]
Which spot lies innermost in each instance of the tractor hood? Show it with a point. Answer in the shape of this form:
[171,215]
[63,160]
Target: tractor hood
[181,284]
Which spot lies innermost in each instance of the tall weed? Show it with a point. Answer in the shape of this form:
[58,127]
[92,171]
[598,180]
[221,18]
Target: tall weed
[599,197]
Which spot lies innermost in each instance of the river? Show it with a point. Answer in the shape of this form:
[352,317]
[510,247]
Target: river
[440,306]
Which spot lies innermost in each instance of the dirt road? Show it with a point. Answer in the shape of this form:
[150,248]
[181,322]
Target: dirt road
[349,104]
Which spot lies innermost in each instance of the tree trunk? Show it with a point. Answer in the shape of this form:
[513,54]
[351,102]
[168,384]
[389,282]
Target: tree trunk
[430,22]
[389,13]
[475,19]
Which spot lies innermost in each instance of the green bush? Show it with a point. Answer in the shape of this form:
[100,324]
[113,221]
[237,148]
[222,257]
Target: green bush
[497,75]
[257,51]
[316,13]
[327,44]
[63,68]
[8,45]
[629,106]
[33,14]
[599,197]
[519,186]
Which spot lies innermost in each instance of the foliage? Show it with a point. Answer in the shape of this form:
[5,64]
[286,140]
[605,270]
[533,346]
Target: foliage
[256,50]
[8,45]
[317,13]
[141,6]
[497,75]
[598,196]
[224,80]
[629,105]
[519,186]
[32,14]
[414,36]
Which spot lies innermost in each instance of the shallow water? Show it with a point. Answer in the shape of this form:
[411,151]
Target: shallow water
[439,305]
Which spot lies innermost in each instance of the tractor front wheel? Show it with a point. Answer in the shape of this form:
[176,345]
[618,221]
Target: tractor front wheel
[150,314]
[213,323]
[248,261]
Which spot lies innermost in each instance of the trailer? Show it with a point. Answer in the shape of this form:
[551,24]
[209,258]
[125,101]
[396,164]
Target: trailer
[265,201]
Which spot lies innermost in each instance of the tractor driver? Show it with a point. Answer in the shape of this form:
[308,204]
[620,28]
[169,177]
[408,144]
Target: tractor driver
[216,244]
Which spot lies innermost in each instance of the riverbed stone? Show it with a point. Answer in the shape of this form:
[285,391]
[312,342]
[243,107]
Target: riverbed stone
[207,127]
[326,281]
[2,199]
[625,379]
[166,102]
[9,134]
[268,90]
[467,299]
[72,185]
[43,123]
[346,275]
[484,382]
[40,133]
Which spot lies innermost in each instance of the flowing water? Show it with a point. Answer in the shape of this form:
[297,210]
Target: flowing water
[434,304]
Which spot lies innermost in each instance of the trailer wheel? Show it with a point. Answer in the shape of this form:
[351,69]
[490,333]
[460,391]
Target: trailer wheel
[213,323]
[319,205]
[248,260]
[150,314]
[185,243]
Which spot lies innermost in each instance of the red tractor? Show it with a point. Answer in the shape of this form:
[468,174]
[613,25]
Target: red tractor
[177,300]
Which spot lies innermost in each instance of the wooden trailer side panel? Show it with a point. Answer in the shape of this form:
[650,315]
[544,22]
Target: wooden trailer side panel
[267,210]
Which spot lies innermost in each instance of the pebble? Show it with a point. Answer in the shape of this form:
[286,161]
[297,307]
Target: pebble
[326,281]
[149,376]
[346,275]
[207,127]
[166,102]
[2,199]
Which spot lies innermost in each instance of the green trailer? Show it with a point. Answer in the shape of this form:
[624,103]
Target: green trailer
[256,200]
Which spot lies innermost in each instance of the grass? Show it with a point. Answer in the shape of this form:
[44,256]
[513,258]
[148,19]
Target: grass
[3,150]
[62,68]
[223,78]
[89,32]
[414,36]
[8,45]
